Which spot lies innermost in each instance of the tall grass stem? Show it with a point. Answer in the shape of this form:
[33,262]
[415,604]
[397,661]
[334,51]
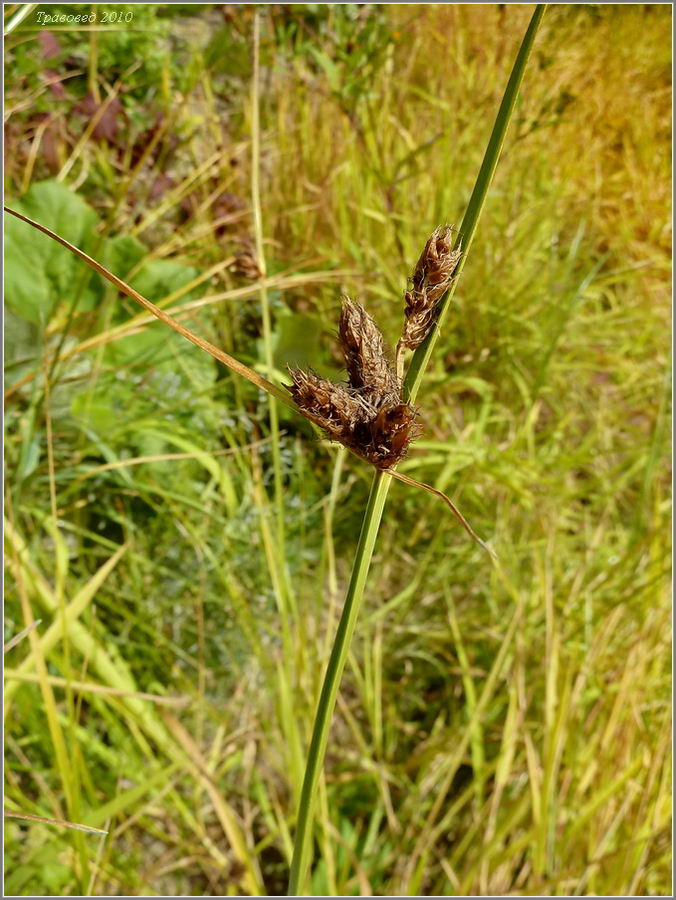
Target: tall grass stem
[265,300]
[421,356]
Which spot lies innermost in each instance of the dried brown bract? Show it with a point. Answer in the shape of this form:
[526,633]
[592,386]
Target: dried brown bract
[430,281]
[367,415]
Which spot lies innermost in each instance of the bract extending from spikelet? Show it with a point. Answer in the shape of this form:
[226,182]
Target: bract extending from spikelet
[430,281]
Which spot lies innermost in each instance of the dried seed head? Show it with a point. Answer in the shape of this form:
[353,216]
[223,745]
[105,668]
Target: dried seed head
[381,436]
[391,432]
[367,415]
[331,406]
[368,368]
[430,281]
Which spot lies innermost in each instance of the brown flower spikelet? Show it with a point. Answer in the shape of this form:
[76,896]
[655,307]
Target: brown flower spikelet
[380,436]
[245,263]
[430,281]
[331,406]
[368,368]
[391,433]
[367,416]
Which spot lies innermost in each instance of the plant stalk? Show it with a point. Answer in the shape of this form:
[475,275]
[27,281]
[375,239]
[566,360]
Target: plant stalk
[327,699]
[265,300]
[381,483]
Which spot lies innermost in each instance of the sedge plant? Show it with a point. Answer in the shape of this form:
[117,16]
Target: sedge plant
[426,305]
[381,480]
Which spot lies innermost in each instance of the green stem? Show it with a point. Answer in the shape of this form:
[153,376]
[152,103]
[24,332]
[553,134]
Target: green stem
[380,486]
[334,671]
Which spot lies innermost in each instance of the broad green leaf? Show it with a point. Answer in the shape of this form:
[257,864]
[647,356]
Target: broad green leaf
[39,273]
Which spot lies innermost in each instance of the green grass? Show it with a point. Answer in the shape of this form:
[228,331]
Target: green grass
[498,729]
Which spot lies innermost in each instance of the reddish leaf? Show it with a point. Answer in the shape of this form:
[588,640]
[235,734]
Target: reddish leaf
[144,139]
[85,107]
[49,44]
[52,141]
[226,204]
[106,127]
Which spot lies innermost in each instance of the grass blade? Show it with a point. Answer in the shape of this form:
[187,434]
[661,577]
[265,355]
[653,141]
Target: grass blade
[20,636]
[88,829]
[24,10]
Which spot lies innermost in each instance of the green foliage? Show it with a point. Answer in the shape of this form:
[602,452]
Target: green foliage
[46,872]
[347,42]
[135,49]
[227,52]
[137,53]
[39,274]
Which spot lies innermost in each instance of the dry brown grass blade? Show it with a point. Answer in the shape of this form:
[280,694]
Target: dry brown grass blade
[138,323]
[12,814]
[92,688]
[251,876]
[233,364]
[20,636]
[161,457]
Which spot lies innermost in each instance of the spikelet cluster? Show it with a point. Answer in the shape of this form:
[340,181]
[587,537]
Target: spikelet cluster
[368,414]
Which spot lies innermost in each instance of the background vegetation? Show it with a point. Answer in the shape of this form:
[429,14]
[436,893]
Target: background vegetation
[498,731]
